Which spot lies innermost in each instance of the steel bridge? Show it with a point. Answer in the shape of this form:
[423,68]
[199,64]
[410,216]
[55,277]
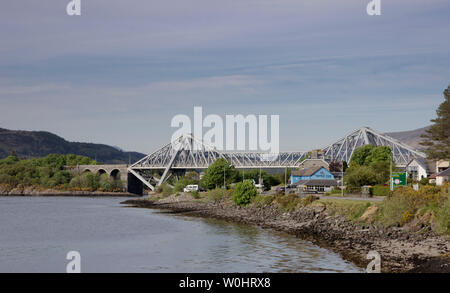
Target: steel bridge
[343,149]
[188,152]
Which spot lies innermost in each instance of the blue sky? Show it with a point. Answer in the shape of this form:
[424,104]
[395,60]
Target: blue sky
[121,71]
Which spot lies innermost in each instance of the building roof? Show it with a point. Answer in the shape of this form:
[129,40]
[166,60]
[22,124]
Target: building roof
[316,182]
[306,171]
[444,173]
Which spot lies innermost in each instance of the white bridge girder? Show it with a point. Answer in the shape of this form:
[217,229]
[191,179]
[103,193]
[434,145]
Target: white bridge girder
[188,152]
[343,149]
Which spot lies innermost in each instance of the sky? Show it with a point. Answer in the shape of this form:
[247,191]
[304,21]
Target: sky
[118,73]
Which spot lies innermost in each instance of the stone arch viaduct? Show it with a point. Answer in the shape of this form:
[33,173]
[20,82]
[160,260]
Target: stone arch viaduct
[118,171]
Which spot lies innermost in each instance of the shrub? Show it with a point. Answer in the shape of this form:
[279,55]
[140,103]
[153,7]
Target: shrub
[195,194]
[309,199]
[443,216]
[263,200]
[401,206]
[243,193]
[217,194]
[288,202]
[379,190]
[166,190]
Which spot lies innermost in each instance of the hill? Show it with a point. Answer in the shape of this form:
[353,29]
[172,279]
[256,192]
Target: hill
[34,144]
[411,138]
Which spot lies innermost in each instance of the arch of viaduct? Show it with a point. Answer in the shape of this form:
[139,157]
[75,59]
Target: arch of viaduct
[117,171]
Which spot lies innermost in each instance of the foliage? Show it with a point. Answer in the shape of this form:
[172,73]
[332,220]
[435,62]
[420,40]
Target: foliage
[263,200]
[335,166]
[309,199]
[217,194]
[358,176]
[379,190]
[352,209]
[195,194]
[405,202]
[47,172]
[437,137]
[243,193]
[189,179]
[368,154]
[287,202]
[443,216]
[369,165]
[268,179]
[217,171]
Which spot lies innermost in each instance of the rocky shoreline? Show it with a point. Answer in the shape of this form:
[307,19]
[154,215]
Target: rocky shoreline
[401,250]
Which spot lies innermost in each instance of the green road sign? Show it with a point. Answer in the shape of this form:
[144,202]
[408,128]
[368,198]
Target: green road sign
[398,179]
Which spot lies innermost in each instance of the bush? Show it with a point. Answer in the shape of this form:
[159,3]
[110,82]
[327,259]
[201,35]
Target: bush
[288,202]
[263,200]
[443,216]
[309,199]
[424,181]
[166,190]
[401,206]
[379,190]
[195,194]
[217,194]
[243,193]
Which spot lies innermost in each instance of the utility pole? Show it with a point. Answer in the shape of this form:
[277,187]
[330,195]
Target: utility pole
[391,183]
[342,179]
[224,184]
[285,181]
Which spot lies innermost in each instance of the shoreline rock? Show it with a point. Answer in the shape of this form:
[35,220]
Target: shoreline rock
[401,250]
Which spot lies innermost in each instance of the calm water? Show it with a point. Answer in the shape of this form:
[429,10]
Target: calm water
[37,232]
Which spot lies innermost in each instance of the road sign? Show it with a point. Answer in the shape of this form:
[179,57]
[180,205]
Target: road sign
[398,179]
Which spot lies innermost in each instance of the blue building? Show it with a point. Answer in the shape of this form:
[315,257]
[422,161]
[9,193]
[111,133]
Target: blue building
[319,173]
[316,179]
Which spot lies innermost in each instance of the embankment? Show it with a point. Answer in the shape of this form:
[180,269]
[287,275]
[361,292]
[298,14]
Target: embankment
[401,249]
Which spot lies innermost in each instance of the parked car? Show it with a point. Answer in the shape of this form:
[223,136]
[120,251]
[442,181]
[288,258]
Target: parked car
[191,188]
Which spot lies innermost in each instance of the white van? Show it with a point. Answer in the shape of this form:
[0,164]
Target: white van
[190,188]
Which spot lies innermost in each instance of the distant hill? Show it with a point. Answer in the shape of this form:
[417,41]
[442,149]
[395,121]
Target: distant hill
[411,138]
[32,144]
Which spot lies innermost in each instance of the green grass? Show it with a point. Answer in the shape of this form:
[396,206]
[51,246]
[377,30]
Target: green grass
[352,209]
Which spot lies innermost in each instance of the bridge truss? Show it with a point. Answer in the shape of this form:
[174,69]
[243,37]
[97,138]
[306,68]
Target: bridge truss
[343,149]
[188,152]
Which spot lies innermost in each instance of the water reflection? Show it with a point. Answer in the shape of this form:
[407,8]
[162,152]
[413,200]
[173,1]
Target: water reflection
[36,234]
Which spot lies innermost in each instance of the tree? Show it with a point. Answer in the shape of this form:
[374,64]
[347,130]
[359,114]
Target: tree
[268,179]
[369,165]
[360,154]
[215,174]
[335,166]
[437,137]
[243,193]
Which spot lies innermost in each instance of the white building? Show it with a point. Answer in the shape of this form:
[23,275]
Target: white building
[443,177]
[419,168]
